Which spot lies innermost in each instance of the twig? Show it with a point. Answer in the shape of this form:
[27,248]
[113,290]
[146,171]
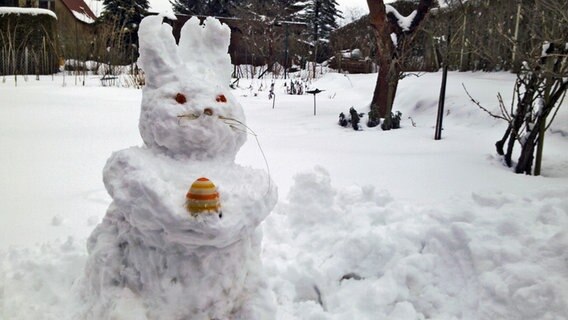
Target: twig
[504,112]
[412,121]
[482,108]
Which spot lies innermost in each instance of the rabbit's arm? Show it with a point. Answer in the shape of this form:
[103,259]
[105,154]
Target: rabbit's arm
[126,177]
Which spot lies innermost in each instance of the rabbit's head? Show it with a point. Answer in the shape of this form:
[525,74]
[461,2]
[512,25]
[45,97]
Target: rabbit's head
[187,108]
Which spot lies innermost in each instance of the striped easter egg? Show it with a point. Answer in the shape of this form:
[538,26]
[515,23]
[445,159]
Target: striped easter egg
[202,197]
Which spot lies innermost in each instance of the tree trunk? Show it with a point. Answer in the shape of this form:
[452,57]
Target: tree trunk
[540,147]
[499,144]
[463,41]
[523,106]
[380,95]
[378,20]
[392,86]
[543,88]
[389,54]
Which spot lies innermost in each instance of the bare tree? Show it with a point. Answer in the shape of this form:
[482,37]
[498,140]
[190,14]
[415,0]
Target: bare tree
[394,35]
[541,85]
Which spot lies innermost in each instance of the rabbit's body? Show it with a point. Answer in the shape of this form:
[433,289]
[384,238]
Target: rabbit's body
[149,249]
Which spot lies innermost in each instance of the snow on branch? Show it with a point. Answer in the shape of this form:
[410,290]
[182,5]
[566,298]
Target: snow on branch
[403,22]
[409,23]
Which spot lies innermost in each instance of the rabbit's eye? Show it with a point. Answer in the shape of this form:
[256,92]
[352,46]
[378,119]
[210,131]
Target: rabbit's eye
[180,98]
[221,98]
[208,112]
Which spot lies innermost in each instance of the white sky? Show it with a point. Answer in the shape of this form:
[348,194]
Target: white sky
[352,3]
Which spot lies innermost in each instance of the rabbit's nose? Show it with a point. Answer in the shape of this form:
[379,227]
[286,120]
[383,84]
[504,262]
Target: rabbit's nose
[208,111]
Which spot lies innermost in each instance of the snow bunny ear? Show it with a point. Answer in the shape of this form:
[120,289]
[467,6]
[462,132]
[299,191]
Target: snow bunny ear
[207,46]
[158,51]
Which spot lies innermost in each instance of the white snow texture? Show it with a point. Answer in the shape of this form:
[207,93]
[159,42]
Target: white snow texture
[370,257]
[149,259]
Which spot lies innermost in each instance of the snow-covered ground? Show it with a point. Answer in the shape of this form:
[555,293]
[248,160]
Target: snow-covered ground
[369,224]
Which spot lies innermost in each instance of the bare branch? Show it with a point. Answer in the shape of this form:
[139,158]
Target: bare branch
[482,108]
[504,111]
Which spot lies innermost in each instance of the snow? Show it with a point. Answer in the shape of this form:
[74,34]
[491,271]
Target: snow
[81,16]
[149,253]
[368,224]
[394,39]
[96,6]
[403,22]
[30,11]
[161,6]
[545,49]
[474,258]
[200,80]
[352,54]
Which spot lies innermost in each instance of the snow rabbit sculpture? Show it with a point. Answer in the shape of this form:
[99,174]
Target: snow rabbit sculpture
[149,258]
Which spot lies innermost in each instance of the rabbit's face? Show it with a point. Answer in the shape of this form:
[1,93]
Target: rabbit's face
[187,109]
[193,120]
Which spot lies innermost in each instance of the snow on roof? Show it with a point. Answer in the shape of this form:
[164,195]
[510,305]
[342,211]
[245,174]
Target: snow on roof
[30,11]
[82,17]
[96,6]
[80,10]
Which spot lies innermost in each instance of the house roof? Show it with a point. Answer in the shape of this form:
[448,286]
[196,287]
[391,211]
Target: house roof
[80,10]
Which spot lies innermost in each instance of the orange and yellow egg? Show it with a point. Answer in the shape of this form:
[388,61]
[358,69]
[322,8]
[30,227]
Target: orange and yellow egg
[203,198]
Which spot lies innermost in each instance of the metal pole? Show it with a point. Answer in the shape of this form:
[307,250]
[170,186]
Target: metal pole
[286,51]
[440,117]
[441,100]
[314,104]
[76,52]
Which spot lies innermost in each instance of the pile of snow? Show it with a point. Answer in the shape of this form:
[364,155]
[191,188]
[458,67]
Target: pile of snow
[355,253]
[37,282]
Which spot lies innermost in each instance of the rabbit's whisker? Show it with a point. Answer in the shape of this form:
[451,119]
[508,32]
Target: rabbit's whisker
[190,116]
[234,124]
[237,128]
